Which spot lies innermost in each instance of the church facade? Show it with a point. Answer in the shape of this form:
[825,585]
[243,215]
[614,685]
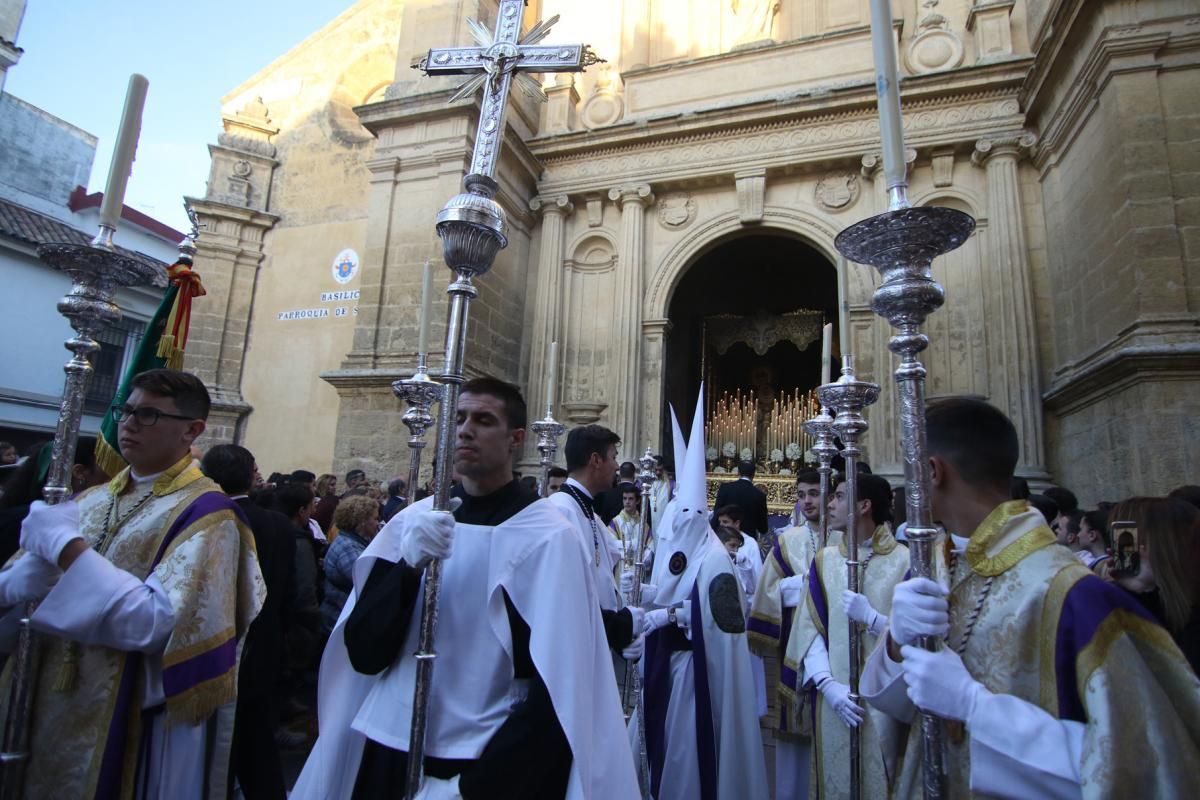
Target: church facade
[1068,129]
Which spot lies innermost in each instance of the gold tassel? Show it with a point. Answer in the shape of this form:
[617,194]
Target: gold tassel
[108,459]
[68,671]
[166,346]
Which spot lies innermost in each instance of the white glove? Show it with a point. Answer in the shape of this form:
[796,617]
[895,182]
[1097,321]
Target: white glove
[939,683]
[635,649]
[626,582]
[859,609]
[649,592]
[430,536]
[741,560]
[48,529]
[838,696]
[654,620]
[437,788]
[919,608]
[639,619]
[683,616]
[28,578]
[791,590]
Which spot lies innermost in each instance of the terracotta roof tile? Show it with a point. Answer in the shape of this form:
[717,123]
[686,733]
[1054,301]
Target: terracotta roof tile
[32,227]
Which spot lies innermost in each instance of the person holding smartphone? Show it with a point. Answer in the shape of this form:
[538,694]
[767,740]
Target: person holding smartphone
[1156,543]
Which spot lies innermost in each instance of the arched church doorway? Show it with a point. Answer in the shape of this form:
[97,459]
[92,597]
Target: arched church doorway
[746,317]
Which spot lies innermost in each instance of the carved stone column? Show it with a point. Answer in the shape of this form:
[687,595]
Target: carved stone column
[1014,378]
[627,328]
[546,312]
[654,333]
[229,252]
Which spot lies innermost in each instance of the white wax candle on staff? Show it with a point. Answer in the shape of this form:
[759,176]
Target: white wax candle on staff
[826,352]
[426,308]
[887,89]
[123,153]
[844,307]
[552,375]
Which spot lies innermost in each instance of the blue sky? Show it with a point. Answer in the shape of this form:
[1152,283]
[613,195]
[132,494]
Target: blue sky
[79,55]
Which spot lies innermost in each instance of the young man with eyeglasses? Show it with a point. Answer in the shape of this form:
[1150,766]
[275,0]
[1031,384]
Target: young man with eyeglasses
[146,586]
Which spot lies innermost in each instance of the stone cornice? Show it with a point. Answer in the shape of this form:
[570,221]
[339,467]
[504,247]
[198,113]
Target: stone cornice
[1119,49]
[807,107]
[779,144]
[245,216]
[1163,349]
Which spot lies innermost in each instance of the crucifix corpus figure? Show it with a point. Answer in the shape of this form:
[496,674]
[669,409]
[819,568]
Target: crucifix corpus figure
[521,720]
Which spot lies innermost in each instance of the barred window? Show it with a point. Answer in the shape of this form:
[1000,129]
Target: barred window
[118,345]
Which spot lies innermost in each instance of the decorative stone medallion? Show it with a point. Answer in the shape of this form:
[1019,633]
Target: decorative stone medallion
[837,191]
[676,210]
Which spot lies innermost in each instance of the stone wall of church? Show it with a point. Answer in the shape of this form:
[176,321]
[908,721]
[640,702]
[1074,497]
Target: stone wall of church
[1120,128]
[282,257]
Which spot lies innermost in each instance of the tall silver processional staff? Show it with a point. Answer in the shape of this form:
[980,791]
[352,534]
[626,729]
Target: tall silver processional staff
[632,698]
[548,429]
[847,397]
[420,392]
[473,230]
[901,243]
[97,270]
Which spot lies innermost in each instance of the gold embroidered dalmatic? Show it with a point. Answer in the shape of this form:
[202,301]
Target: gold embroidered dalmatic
[1053,634]
[881,736]
[88,708]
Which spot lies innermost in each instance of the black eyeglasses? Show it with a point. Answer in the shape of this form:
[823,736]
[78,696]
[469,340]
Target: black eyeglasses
[145,415]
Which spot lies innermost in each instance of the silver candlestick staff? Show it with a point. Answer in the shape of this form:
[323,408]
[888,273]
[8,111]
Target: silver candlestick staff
[473,230]
[821,429]
[420,392]
[901,243]
[633,675]
[547,430]
[96,271]
[847,397]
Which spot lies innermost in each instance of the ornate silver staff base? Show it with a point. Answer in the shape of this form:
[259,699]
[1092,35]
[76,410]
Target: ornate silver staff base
[420,392]
[847,397]
[901,243]
[821,429]
[547,430]
[97,270]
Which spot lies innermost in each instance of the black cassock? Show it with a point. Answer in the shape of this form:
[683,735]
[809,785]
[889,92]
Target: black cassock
[529,756]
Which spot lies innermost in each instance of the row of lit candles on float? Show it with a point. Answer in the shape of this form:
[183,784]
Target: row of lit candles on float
[733,420]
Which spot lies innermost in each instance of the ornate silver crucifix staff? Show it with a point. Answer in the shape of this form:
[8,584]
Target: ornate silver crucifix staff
[473,230]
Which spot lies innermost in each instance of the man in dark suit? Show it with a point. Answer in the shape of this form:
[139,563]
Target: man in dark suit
[609,501]
[746,496]
[255,755]
[397,490]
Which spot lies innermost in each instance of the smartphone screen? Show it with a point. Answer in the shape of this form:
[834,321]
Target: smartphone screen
[1126,559]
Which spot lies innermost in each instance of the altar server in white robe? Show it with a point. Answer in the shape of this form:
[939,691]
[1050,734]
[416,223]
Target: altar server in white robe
[147,585]
[702,730]
[513,708]
[1052,682]
[591,454]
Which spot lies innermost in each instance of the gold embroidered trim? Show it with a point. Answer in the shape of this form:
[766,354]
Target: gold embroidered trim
[762,644]
[1052,605]
[808,599]
[177,476]
[1118,623]
[991,529]
[882,543]
[199,702]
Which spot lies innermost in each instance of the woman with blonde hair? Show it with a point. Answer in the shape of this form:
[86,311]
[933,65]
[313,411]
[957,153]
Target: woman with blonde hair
[1167,582]
[357,521]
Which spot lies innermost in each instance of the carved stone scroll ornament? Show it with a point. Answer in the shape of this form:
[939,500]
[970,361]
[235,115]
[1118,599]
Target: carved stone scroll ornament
[762,331]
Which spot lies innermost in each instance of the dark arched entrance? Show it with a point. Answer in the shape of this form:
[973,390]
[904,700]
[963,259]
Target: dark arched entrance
[756,277]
